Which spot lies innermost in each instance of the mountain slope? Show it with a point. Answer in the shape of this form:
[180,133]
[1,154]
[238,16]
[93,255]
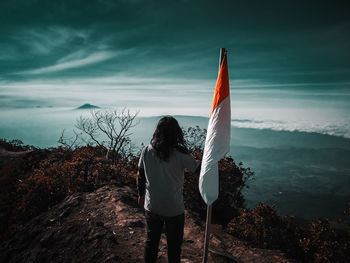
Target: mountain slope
[107,226]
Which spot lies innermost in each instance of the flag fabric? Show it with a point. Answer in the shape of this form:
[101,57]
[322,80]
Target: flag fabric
[217,142]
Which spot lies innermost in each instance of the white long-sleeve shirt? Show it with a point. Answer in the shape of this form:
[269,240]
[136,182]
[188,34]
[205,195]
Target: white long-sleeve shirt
[164,180]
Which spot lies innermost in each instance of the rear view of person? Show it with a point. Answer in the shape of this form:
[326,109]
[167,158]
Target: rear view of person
[160,187]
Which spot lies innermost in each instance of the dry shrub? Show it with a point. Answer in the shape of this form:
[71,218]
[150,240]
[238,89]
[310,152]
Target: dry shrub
[13,171]
[232,180]
[66,172]
[309,241]
[39,179]
[14,145]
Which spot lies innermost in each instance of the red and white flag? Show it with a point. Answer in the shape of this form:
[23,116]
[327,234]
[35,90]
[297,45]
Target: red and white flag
[217,142]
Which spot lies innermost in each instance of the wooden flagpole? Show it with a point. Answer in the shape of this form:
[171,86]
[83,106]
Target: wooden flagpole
[207,233]
[209,207]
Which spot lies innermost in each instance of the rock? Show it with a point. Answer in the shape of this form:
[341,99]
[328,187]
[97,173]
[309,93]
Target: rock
[113,238]
[137,223]
[88,187]
[33,255]
[111,258]
[129,200]
[65,213]
[71,201]
[95,235]
[46,240]
[73,229]
[99,223]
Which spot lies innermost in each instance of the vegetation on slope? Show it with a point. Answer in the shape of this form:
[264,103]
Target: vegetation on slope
[40,178]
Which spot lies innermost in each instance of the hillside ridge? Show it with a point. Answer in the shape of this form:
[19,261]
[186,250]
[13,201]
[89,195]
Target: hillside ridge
[107,225]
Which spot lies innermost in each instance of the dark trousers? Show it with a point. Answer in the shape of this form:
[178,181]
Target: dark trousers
[174,230]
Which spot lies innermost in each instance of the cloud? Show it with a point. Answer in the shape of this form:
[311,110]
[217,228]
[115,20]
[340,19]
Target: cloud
[285,47]
[42,41]
[69,62]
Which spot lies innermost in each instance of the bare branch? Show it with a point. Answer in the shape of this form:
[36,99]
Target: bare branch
[71,142]
[89,127]
[115,125]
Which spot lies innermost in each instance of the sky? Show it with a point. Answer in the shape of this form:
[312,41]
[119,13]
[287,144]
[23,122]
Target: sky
[165,53]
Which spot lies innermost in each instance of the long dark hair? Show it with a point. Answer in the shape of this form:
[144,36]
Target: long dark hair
[168,136]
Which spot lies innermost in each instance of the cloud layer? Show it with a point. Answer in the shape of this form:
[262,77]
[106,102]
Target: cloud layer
[270,41]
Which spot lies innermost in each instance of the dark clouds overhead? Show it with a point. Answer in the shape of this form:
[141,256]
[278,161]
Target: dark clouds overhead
[270,42]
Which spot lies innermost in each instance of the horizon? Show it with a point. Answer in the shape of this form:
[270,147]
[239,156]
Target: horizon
[289,63]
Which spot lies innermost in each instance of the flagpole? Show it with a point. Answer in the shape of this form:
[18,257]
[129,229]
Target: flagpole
[207,233]
[223,52]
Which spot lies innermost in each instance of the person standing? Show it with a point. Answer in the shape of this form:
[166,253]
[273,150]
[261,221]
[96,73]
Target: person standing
[160,187]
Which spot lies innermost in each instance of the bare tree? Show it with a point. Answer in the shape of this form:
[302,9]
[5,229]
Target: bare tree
[194,137]
[69,142]
[114,125]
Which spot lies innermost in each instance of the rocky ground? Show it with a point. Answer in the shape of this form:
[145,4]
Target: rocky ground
[6,155]
[107,225]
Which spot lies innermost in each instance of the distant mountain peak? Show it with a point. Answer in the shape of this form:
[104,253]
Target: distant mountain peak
[87,106]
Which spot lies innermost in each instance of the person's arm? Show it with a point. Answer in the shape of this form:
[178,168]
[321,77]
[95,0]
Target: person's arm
[141,179]
[141,182]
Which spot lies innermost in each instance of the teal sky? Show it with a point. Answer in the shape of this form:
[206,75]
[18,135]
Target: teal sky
[291,44]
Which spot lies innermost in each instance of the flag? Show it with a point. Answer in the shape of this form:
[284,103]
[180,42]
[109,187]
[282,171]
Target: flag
[217,142]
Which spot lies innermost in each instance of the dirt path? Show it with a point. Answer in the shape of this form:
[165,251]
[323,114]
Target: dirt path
[108,226]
